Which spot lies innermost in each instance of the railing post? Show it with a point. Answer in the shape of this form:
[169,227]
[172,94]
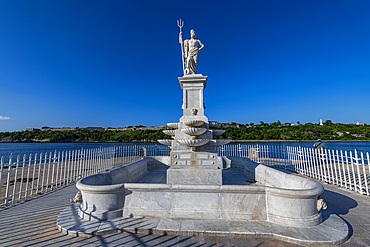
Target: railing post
[80,157]
[349,172]
[320,164]
[22,176]
[313,162]
[344,170]
[8,180]
[28,175]
[335,169]
[365,178]
[64,157]
[1,172]
[15,179]
[43,171]
[34,174]
[68,177]
[53,172]
[339,169]
[325,164]
[358,173]
[368,165]
[59,167]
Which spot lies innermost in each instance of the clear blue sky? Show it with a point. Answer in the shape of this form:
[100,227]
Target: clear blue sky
[116,63]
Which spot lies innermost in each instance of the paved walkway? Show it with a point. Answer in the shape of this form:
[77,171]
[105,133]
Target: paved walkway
[33,223]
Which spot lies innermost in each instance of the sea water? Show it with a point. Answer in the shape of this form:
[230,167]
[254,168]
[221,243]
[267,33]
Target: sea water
[32,148]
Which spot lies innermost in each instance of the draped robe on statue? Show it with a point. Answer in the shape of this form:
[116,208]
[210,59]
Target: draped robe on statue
[191,56]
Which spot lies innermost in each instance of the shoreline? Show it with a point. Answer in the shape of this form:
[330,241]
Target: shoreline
[245,141]
[233,141]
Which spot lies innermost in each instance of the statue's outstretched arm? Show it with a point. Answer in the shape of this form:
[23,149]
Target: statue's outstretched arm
[201,45]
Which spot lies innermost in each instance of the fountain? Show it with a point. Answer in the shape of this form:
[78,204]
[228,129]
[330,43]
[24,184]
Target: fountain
[193,158]
[194,198]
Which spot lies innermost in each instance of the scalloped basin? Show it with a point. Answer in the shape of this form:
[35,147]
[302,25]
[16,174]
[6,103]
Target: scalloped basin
[169,132]
[214,124]
[193,123]
[194,131]
[218,132]
[173,125]
[221,142]
[165,142]
[193,143]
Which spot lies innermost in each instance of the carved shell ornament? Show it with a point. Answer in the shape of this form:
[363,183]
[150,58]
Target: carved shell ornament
[213,124]
[194,131]
[193,123]
[169,132]
[193,143]
[173,125]
[165,142]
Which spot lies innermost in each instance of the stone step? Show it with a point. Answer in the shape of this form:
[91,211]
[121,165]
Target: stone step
[333,231]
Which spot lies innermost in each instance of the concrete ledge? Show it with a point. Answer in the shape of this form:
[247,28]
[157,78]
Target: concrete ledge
[333,231]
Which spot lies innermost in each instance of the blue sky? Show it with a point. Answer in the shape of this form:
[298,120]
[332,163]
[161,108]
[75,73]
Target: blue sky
[116,63]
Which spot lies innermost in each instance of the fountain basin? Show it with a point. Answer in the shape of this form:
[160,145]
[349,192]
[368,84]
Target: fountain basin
[193,143]
[213,124]
[165,142]
[169,132]
[220,142]
[193,123]
[173,125]
[194,131]
[218,132]
[278,196]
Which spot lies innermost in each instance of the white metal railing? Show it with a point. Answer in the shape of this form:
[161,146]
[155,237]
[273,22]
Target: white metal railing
[349,170]
[27,176]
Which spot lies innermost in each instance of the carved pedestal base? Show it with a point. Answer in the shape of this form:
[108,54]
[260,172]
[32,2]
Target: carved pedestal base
[194,175]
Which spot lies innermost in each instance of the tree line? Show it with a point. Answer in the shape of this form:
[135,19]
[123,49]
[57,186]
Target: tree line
[261,131]
[299,132]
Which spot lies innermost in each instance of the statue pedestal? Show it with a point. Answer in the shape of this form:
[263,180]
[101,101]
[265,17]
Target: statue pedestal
[189,167]
[194,155]
[194,175]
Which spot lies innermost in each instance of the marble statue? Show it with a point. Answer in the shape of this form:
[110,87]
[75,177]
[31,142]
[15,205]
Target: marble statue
[190,51]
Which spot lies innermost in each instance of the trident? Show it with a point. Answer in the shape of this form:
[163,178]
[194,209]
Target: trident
[180,24]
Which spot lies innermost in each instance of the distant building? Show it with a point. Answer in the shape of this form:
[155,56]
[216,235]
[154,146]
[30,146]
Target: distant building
[358,123]
[321,122]
[358,135]
[138,128]
[32,129]
[59,129]
[93,128]
[233,124]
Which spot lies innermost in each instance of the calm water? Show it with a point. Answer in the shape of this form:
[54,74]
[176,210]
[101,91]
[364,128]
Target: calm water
[27,148]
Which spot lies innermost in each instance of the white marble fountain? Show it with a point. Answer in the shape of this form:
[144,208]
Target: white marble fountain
[193,187]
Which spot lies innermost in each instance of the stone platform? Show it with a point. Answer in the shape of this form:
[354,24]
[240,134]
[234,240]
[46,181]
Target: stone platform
[331,232]
[32,223]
